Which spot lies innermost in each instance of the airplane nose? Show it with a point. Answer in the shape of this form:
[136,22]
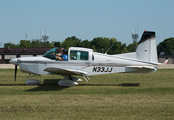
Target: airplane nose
[14,61]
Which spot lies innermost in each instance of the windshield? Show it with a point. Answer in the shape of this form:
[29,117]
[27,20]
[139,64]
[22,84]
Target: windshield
[49,53]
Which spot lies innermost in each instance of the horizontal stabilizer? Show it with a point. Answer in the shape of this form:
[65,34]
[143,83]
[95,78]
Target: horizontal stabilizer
[142,67]
[58,70]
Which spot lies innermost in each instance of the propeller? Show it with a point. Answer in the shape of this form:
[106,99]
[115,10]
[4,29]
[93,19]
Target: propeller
[16,64]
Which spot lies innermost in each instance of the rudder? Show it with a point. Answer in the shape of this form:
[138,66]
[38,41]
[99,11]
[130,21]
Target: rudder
[146,49]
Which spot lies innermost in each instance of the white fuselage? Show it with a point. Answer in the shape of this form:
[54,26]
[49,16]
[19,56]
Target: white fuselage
[100,64]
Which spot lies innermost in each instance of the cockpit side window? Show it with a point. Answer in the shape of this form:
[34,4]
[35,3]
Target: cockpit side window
[79,55]
[92,57]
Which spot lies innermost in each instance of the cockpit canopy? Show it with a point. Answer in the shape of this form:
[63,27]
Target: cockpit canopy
[50,55]
[75,53]
[78,55]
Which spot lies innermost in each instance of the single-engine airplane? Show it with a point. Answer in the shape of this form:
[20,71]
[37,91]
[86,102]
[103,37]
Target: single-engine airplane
[84,62]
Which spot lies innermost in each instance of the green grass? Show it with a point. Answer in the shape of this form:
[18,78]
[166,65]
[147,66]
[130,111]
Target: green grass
[112,96]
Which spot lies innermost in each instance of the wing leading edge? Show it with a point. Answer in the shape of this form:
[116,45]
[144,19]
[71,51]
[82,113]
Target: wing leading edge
[58,70]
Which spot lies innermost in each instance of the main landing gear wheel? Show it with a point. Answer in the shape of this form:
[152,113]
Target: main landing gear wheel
[69,81]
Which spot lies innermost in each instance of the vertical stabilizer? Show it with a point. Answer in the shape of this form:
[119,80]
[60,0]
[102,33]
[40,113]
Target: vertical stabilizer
[146,49]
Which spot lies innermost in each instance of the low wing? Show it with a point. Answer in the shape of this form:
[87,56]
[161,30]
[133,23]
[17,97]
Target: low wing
[58,70]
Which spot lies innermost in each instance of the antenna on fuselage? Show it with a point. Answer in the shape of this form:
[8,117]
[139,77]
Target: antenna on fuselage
[109,48]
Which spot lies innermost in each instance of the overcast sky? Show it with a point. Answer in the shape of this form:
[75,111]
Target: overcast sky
[85,19]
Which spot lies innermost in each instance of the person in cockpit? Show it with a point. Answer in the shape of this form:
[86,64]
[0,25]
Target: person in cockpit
[64,56]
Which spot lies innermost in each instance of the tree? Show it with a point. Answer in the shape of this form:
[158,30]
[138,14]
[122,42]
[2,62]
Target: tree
[101,44]
[93,47]
[113,47]
[24,43]
[123,48]
[71,42]
[130,47]
[10,45]
[50,45]
[166,46]
[85,44]
[104,45]
[56,44]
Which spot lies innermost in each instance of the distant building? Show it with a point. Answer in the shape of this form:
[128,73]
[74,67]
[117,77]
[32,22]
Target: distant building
[6,54]
[162,58]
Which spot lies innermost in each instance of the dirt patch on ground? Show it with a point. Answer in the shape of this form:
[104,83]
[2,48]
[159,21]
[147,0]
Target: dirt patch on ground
[6,66]
[166,66]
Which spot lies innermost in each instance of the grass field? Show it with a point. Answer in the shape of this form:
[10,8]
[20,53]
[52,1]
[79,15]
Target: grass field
[112,96]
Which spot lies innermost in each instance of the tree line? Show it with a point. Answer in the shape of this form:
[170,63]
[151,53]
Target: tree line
[99,44]
[166,46]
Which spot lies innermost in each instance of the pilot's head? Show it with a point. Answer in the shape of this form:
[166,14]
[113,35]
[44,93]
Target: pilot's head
[64,51]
